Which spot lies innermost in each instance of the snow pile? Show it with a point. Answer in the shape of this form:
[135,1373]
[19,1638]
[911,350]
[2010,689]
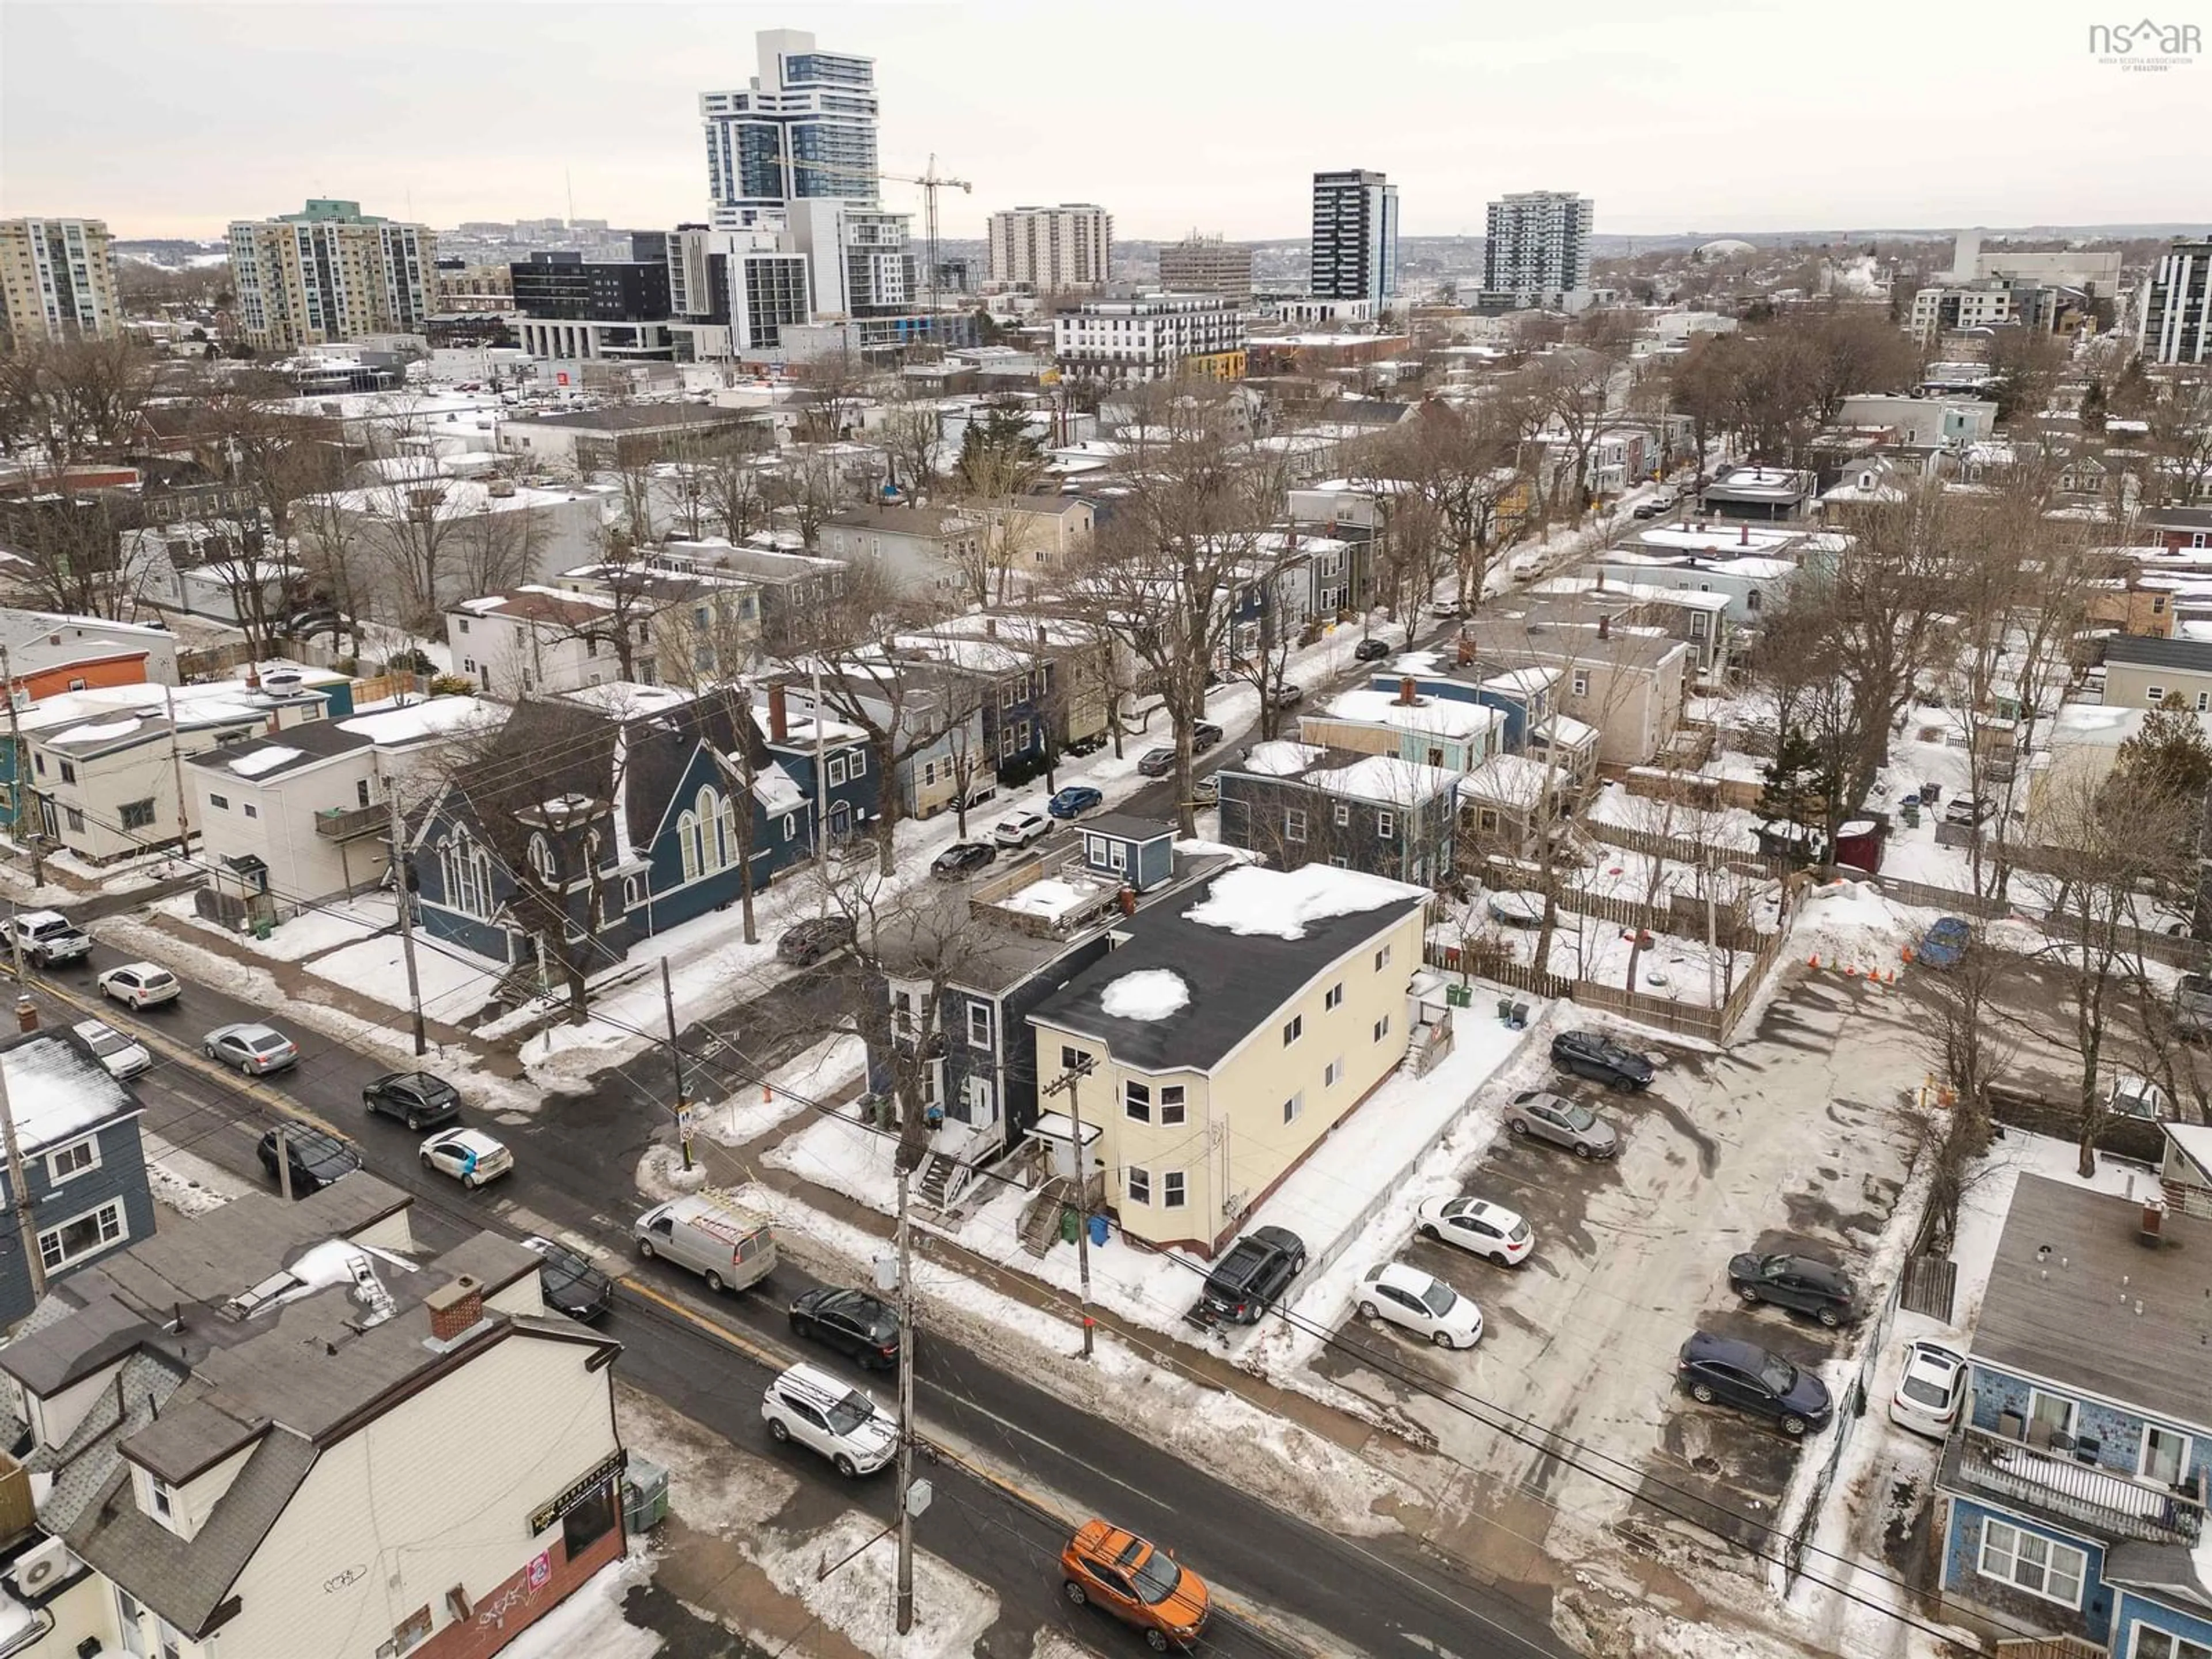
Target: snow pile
[1050,899]
[1852,923]
[266,760]
[1150,993]
[1280,903]
[1281,758]
[591,1621]
[951,1611]
[100,731]
[819,1075]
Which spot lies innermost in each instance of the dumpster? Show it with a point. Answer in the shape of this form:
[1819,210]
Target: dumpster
[644,1495]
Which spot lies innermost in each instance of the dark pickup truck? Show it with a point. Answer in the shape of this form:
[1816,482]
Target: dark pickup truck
[1245,1282]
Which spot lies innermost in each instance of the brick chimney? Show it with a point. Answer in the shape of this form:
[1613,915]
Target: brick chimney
[455,1308]
[1466,652]
[1743,536]
[1604,627]
[990,627]
[1406,691]
[779,712]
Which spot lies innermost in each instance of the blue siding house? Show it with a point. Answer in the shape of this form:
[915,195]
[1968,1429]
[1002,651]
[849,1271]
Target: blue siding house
[86,1171]
[2072,1490]
[632,808]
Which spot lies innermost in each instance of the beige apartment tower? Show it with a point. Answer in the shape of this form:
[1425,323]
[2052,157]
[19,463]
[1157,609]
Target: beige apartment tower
[56,281]
[1206,265]
[330,272]
[1052,250]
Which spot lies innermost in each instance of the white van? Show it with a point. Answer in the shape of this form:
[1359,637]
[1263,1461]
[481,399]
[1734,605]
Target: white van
[711,1234]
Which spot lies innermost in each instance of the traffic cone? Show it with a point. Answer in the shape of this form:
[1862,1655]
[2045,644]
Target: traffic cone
[1906,955]
[1812,961]
[1850,973]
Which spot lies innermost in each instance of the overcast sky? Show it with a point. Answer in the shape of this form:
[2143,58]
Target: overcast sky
[172,118]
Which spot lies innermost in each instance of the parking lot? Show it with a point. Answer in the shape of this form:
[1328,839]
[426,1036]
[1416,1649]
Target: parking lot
[1789,1142]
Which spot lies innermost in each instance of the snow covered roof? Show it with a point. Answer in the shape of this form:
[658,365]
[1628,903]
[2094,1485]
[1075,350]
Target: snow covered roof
[1284,903]
[1149,993]
[1567,731]
[398,724]
[55,1092]
[264,759]
[1513,780]
[1522,682]
[1444,716]
[1280,758]
[1386,778]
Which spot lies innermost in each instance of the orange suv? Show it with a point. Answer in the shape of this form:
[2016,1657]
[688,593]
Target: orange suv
[1137,1582]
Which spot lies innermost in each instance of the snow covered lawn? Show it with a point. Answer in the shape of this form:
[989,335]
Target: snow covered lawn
[1592,948]
[951,1611]
[819,1074]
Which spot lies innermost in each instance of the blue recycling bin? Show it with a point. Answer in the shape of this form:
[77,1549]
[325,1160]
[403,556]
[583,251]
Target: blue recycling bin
[1097,1230]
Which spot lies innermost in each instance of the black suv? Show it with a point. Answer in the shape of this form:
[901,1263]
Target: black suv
[1258,1268]
[415,1098]
[957,859]
[317,1159]
[861,1327]
[1797,1283]
[1599,1058]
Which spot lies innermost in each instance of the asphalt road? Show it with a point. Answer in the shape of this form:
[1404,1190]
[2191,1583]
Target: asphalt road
[1042,1464]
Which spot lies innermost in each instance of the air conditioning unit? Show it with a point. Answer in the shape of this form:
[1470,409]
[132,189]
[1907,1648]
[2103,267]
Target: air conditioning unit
[42,1567]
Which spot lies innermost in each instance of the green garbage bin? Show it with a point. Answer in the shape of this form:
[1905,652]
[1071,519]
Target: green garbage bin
[1070,1224]
[263,927]
[644,1495]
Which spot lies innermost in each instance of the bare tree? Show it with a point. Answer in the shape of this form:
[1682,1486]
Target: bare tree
[913,436]
[73,401]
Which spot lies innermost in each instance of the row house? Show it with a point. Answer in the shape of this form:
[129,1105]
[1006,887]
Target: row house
[1295,804]
[1629,683]
[283,1428]
[1697,616]
[2071,1496]
[922,551]
[792,587]
[635,808]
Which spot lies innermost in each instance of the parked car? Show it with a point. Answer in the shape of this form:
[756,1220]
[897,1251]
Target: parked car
[1074,800]
[1422,1304]
[1203,736]
[960,858]
[1205,791]
[470,1156]
[117,1052]
[1021,828]
[49,939]
[2192,1006]
[1254,1271]
[1445,609]
[1138,1583]
[1944,944]
[725,1244]
[568,1282]
[807,942]
[141,984]
[1371,650]
[1286,696]
[316,619]
[1930,1389]
[820,1411]
[1517,909]
[1156,762]
[317,1158]
[1473,1223]
[1721,1371]
[415,1098]
[1596,1056]
[1654,508]
[862,1328]
[1535,1115]
[256,1050]
[1970,809]
[1797,1283]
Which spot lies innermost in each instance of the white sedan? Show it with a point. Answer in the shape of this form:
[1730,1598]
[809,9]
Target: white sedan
[470,1156]
[117,1052]
[1021,828]
[1929,1389]
[1426,1306]
[1488,1230]
[141,984]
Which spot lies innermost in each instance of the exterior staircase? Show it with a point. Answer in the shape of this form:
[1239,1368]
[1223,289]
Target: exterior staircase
[1041,1219]
[936,1175]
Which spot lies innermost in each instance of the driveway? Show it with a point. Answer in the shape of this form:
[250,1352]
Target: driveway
[1786,1141]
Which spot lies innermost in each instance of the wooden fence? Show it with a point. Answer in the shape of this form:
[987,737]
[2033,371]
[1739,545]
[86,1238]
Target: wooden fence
[1680,848]
[1683,913]
[1684,1018]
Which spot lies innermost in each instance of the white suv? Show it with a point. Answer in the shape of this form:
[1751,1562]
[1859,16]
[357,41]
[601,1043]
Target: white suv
[809,1405]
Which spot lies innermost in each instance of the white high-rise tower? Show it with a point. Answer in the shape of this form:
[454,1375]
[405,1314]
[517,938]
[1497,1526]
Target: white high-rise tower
[806,127]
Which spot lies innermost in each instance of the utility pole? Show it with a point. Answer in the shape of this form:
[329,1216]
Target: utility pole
[1071,1080]
[28,833]
[284,1158]
[27,1226]
[905,1602]
[177,776]
[676,1059]
[406,908]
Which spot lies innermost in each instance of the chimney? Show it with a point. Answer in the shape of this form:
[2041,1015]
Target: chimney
[1406,691]
[1466,651]
[1605,628]
[253,677]
[2151,1233]
[455,1308]
[779,712]
[1743,536]
[990,627]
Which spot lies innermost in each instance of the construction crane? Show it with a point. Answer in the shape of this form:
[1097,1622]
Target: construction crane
[930,180]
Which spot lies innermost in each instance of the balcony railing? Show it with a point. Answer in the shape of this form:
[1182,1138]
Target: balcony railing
[347,823]
[2062,1486]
